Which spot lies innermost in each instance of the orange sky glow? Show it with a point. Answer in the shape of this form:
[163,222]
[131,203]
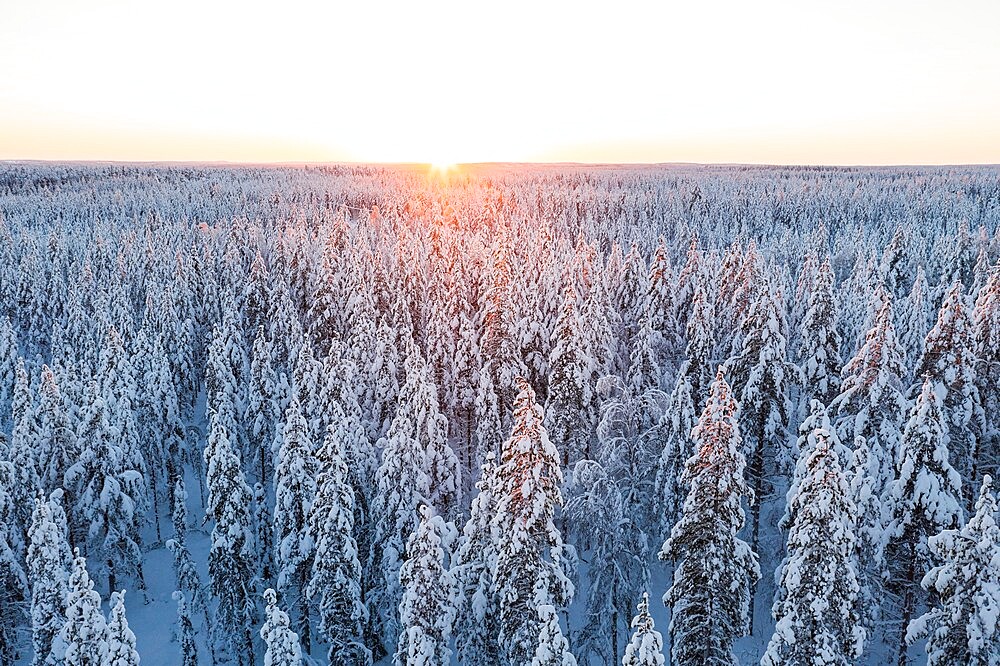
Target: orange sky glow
[854,82]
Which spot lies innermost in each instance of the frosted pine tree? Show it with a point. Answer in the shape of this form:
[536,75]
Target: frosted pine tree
[820,346]
[815,426]
[710,595]
[871,403]
[570,409]
[914,317]
[14,588]
[103,486]
[530,570]
[23,454]
[950,363]
[476,613]
[294,491]
[185,631]
[761,375]
[230,560]
[263,410]
[646,646]
[986,343]
[923,499]
[817,611]
[57,445]
[962,628]
[47,572]
[8,366]
[121,640]
[427,608]
[281,643]
[83,638]
[552,648]
[335,579]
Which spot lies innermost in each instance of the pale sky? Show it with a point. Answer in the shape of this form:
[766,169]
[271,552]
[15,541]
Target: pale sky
[772,81]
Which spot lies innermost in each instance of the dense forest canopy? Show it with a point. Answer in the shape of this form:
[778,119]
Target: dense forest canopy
[492,416]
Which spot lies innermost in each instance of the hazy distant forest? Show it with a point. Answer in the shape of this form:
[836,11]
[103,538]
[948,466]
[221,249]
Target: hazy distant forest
[498,416]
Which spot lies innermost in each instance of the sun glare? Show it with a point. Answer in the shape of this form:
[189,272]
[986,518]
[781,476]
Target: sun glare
[442,169]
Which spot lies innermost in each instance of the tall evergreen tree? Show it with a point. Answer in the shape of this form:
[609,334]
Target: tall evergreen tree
[427,608]
[294,492]
[121,640]
[83,638]
[230,559]
[335,581]
[923,499]
[476,613]
[820,347]
[571,407]
[817,608]
[710,595]
[46,561]
[962,628]
[949,362]
[185,631]
[530,570]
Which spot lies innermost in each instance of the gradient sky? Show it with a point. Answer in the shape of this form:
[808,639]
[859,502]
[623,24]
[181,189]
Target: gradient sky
[772,81]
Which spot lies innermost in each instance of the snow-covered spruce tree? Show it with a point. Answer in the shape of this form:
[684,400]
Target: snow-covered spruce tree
[417,467]
[500,354]
[117,384]
[646,646]
[294,491]
[230,560]
[281,643]
[476,612]
[552,648]
[83,638]
[121,640]
[427,608]
[57,444]
[761,375]
[14,588]
[335,580]
[820,346]
[817,612]
[185,631]
[102,485]
[923,499]
[262,410]
[683,406]
[307,386]
[950,363]
[186,573]
[710,595]
[986,342]
[571,407]
[660,307]
[962,628]
[23,453]
[8,366]
[871,403]
[914,319]
[489,423]
[893,269]
[529,570]
[814,426]
[46,562]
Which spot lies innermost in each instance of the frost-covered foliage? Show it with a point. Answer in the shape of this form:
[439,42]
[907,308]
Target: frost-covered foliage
[282,645]
[646,646]
[817,612]
[530,567]
[710,596]
[157,322]
[962,627]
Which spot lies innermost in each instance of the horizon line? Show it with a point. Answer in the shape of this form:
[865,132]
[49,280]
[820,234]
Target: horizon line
[567,163]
